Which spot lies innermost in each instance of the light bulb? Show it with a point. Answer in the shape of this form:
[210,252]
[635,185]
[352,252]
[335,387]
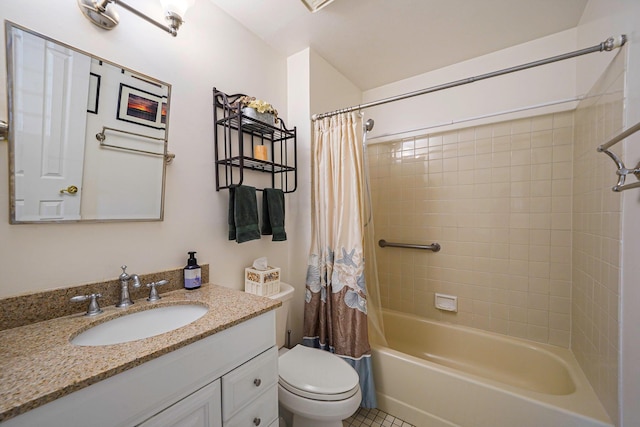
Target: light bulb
[179,7]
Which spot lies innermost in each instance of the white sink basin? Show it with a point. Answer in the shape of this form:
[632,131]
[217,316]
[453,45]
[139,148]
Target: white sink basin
[139,325]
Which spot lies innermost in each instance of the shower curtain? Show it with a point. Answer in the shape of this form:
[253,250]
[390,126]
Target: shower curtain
[335,312]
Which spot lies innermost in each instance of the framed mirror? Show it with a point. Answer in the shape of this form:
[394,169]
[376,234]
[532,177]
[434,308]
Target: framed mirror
[87,137]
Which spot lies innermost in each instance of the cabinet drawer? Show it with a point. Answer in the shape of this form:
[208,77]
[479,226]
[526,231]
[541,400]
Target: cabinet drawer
[246,382]
[261,412]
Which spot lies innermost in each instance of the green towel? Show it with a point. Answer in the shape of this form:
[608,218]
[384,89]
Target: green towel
[243,214]
[273,214]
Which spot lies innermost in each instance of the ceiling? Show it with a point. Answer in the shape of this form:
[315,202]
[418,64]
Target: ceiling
[375,42]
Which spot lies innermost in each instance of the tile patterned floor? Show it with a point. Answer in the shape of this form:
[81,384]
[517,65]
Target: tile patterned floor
[374,418]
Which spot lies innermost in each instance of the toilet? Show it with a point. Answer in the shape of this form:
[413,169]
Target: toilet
[315,387]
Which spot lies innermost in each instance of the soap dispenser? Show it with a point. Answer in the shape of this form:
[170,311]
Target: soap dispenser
[192,273]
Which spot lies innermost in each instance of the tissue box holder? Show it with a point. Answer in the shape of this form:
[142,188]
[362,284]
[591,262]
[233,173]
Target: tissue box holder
[262,282]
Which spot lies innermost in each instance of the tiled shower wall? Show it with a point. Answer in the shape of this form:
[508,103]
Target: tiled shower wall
[498,199]
[597,237]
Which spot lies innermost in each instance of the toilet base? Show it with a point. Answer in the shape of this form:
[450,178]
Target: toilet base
[313,413]
[285,416]
[287,419]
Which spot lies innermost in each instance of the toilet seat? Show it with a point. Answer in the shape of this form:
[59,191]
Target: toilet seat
[317,374]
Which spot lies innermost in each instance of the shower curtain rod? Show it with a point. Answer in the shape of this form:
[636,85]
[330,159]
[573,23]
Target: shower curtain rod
[607,45]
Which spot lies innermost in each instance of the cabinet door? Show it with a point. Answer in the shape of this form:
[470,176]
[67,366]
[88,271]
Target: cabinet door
[200,409]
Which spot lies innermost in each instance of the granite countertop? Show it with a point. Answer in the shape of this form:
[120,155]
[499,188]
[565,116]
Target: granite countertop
[38,363]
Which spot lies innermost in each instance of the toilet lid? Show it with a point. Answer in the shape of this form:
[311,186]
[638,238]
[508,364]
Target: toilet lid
[317,374]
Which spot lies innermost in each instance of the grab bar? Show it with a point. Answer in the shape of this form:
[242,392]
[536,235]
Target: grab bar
[435,247]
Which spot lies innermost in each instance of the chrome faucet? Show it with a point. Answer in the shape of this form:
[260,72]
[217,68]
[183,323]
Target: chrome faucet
[125,298]
[94,308]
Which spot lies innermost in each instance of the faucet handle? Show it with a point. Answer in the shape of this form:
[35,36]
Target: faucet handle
[124,275]
[153,294]
[94,307]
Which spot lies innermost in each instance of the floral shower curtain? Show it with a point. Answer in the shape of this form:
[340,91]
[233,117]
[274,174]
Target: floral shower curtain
[335,313]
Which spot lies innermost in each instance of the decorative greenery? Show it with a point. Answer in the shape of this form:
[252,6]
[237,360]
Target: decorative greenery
[259,105]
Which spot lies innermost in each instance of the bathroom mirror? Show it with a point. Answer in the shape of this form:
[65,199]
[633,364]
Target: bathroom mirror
[87,137]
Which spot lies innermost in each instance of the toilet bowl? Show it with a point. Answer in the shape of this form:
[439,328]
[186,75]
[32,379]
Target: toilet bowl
[315,388]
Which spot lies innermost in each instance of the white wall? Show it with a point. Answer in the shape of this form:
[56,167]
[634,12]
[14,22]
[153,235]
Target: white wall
[330,90]
[544,84]
[210,50]
[601,19]
[299,113]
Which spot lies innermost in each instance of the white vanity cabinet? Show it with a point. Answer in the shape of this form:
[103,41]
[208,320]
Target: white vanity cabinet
[200,409]
[226,379]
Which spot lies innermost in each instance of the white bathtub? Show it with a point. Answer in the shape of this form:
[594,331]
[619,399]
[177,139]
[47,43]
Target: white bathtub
[437,374]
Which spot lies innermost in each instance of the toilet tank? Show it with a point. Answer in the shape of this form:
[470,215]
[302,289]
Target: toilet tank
[282,312]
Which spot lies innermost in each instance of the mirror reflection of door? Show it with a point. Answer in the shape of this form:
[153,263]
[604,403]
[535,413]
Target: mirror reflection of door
[53,86]
[79,121]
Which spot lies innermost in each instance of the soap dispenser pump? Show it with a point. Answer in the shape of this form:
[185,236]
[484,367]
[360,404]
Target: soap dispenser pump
[192,273]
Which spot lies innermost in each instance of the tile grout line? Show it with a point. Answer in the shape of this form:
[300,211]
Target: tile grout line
[365,417]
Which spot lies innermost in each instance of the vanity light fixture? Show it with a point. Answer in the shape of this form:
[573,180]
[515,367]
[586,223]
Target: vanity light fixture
[104,15]
[316,5]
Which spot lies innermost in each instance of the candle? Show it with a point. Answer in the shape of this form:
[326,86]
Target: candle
[260,152]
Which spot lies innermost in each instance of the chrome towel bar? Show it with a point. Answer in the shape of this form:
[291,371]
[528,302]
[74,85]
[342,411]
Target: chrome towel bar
[435,247]
[4,130]
[101,136]
[622,171]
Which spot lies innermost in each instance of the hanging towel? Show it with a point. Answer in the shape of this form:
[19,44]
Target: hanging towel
[273,214]
[243,214]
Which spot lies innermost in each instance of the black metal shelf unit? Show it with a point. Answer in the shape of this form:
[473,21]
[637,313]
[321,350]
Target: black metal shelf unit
[236,135]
